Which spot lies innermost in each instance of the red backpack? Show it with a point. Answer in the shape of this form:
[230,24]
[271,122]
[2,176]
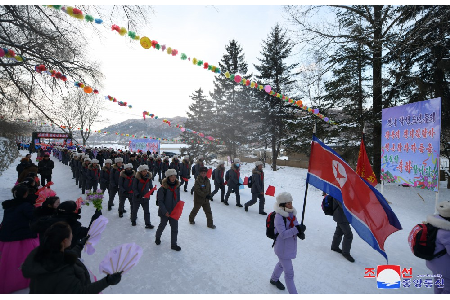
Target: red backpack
[422,241]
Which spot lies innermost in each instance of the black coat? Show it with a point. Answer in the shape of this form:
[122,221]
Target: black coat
[24,163]
[45,167]
[16,221]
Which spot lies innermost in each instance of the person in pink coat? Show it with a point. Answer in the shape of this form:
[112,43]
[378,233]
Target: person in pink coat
[441,265]
[287,230]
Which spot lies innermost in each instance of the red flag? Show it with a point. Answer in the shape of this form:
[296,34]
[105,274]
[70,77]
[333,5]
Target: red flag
[150,192]
[185,179]
[245,181]
[270,191]
[208,174]
[177,210]
[363,167]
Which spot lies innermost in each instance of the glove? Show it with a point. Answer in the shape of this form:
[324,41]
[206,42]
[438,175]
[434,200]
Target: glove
[83,241]
[301,236]
[209,196]
[95,216]
[301,228]
[113,279]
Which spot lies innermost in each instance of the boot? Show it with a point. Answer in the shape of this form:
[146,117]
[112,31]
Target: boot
[338,250]
[246,207]
[133,223]
[348,257]
[278,284]
[191,222]
[149,226]
[109,207]
[263,213]
[120,214]
[239,205]
[157,241]
[212,226]
[175,247]
[226,203]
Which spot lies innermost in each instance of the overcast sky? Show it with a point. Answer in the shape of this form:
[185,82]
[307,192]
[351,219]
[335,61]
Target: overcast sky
[154,81]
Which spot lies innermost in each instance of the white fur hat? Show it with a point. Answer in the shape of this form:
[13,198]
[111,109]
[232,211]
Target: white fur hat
[443,209]
[284,197]
[142,168]
[166,157]
[87,159]
[258,163]
[175,157]
[220,162]
[200,157]
[108,161]
[95,161]
[236,160]
[128,166]
[118,159]
[186,157]
[170,172]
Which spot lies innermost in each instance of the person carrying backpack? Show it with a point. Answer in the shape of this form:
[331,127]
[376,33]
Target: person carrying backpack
[233,182]
[441,264]
[287,230]
[219,183]
[257,188]
[342,229]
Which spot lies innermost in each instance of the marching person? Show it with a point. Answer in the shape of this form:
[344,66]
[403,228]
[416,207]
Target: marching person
[219,181]
[24,164]
[202,195]
[126,189]
[342,229]
[105,175]
[93,175]
[287,230]
[54,268]
[16,239]
[79,168]
[165,166]
[441,264]
[142,184]
[84,171]
[175,164]
[168,196]
[185,172]
[195,170]
[158,168]
[257,188]
[233,182]
[151,166]
[134,161]
[114,181]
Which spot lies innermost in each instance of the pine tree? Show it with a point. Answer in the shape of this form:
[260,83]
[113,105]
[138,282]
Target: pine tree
[200,118]
[279,120]
[232,101]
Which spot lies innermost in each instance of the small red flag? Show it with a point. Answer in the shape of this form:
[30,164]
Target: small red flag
[245,181]
[150,192]
[270,191]
[209,173]
[363,167]
[177,210]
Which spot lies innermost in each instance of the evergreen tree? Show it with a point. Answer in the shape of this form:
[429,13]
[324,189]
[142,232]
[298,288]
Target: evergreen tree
[232,101]
[279,120]
[200,118]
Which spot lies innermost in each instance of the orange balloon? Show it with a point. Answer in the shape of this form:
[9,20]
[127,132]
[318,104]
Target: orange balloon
[299,103]
[88,90]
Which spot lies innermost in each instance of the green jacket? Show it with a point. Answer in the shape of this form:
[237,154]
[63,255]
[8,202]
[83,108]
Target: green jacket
[202,188]
[63,274]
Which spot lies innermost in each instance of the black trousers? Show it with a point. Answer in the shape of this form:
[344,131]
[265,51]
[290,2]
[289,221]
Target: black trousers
[222,192]
[45,177]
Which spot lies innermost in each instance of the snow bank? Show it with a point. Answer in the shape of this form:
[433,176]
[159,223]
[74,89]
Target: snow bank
[8,151]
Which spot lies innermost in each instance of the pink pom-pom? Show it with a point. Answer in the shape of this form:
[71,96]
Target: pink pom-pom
[267,88]
[237,78]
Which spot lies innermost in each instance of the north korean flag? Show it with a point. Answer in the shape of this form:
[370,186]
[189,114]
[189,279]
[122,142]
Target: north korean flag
[365,208]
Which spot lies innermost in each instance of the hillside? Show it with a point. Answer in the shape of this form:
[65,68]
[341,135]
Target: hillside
[139,128]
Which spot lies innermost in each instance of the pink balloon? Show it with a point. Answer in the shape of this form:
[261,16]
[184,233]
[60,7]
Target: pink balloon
[2,52]
[267,88]
[183,129]
[237,78]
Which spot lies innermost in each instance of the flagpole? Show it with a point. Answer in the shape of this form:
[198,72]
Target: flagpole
[306,190]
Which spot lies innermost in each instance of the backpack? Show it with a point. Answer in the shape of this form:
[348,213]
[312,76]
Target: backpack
[214,174]
[270,227]
[422,241]
[250,182]
[227,175]
[327,205]
[165,193]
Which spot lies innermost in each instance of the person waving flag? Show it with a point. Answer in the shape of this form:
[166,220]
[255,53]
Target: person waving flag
[365,208]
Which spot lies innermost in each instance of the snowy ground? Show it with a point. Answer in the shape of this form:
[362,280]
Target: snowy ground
[237,256]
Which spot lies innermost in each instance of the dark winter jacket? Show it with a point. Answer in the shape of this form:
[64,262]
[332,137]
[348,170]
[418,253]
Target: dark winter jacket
[105,175]
[44,211]
[234,174]
[197,167]
[24,163]
[219,176]
[84,169]
[135,163]
[185,169]
[338,212]
[126,182]
[115,175]
[158,166]
[101,158]
[165,167]
[62,273]
[257,181]
[32,168]
[175,164]
[202,188]
[142,185]
[93,175]
[167,199]
[151,164]
[16,220]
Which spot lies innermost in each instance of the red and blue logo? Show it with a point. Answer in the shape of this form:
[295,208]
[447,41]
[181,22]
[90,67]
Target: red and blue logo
[388,277]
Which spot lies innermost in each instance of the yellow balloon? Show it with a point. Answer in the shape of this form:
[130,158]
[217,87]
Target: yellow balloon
[227,74]
[123,31]
[145,42]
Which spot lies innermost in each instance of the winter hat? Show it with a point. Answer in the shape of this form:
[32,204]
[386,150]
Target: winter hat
[95,161]
[443,209]
[87,159]
[201,157]
[118,159]
[186,157]
[129,166]
[220,162]
[19,191]
[159,156]
[258,163]
[175,157]
[203,169]
[67,207]
[284,197]
[236,161]
[108,161]
[46,155]
[142,168]
[28,181]
[166,158]
[170,172]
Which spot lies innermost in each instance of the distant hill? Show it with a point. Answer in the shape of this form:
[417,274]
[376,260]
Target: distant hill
[138,127]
